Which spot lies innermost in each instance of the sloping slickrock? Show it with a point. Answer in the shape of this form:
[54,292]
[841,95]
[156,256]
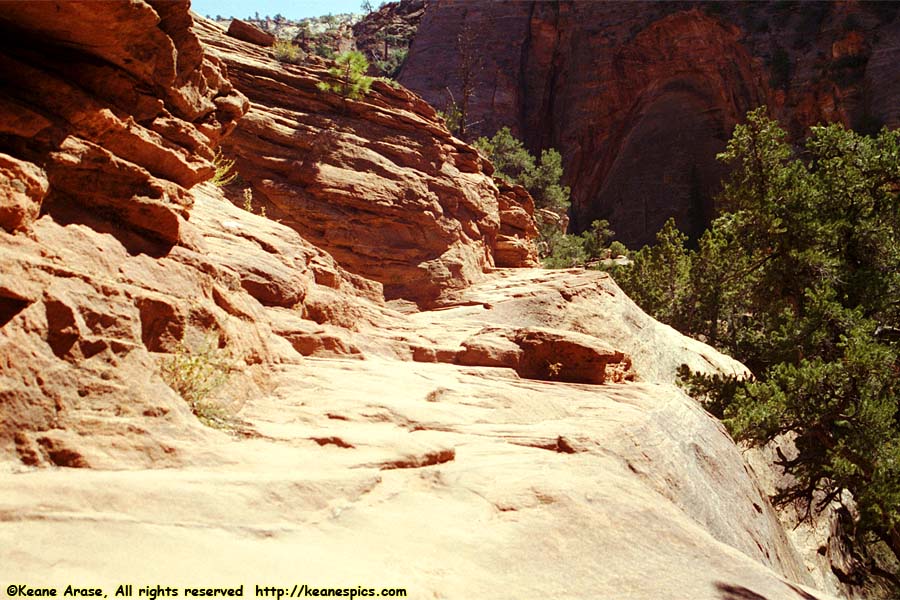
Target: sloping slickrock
[574,300]
[379,183]
[440,479]
[448,480]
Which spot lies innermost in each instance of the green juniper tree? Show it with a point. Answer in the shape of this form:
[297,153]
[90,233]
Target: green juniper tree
[542,178]
[799,278]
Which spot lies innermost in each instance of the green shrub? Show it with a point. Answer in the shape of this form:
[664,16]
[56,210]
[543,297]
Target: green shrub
[508,155]
[560,250]
[350,77]
[391,82]
[391,66]
[322,49]
[542,179]
[452,117]
[658,277]
[617,248]
[197,376]
[286,51]
[514,163]
[224,173]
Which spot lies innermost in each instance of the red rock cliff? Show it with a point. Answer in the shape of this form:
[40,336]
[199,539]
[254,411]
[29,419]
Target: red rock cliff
[126,98]
[639,96]
[112,256]
[377,182]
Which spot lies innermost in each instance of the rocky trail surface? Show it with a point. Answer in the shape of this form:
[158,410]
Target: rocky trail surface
[451,481]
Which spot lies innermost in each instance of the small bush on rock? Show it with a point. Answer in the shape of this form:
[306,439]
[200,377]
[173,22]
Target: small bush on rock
[542,179]
[197,376]
[225,172]
[286,51]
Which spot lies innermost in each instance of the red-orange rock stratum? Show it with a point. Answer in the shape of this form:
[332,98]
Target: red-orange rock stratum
[126,103]
[377,182]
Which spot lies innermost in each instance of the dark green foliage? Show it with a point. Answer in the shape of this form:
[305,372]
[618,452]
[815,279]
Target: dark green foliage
[390,53]
[391,66]
[321,48]
[598,238]
[515,164]
[560,250]
[508,155]
[564,250]
[667,265]
[543,181]
[349,72]
[617,248]
[715,391]
[799,278]
[452,117]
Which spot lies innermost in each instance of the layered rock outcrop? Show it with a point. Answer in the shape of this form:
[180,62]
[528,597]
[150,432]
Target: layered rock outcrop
[517,239]
[104,130]
[86,323]
[377,182]
[249,33]
[127,108]
[639,97]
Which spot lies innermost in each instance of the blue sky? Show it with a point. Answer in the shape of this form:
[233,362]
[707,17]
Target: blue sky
[291,9]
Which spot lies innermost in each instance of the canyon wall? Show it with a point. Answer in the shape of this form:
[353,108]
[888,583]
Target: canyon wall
[640,96]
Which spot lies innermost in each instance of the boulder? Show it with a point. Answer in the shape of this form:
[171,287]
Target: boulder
[547,354]
[250,33]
